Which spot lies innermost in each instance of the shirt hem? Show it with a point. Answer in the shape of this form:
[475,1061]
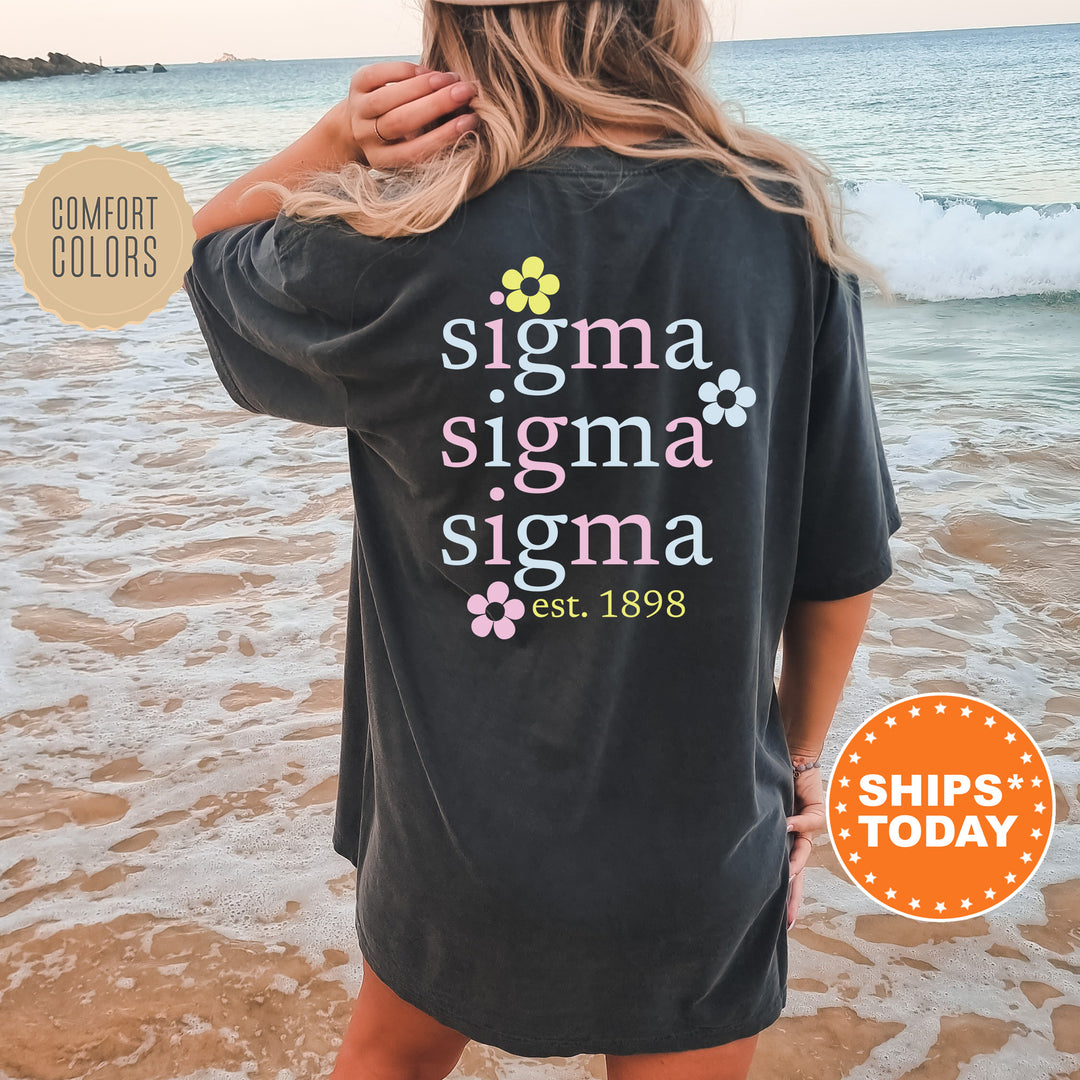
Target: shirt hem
[841,589]
[339,845]
[213,344]
[566,1045]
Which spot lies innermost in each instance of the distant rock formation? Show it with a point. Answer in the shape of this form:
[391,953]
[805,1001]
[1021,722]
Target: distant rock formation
[160,67]
[228,58]
[14,67]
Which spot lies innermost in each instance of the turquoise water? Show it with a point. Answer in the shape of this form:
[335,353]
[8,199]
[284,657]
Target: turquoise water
[981,114]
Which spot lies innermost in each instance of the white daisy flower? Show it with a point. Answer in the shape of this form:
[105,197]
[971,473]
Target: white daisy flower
[727,400]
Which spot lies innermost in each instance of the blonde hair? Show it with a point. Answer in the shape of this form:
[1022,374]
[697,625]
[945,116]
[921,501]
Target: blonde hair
[548,72]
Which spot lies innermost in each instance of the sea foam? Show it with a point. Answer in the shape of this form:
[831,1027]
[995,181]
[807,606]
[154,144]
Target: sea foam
[933,247]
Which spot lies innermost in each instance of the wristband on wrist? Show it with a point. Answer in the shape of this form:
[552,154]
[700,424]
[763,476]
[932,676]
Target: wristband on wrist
[796,769]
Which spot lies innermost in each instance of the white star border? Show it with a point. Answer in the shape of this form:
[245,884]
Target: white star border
[888,718]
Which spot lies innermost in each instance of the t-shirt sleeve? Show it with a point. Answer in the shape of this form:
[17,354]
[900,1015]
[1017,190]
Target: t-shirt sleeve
[245,285]
[848,510]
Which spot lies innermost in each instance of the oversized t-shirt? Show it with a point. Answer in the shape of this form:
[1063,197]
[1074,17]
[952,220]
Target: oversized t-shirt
[603,425]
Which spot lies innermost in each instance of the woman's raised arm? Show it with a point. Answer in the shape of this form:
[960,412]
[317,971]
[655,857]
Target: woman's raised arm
[404,97]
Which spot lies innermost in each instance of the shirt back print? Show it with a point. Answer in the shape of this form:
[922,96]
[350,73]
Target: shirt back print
[604,424]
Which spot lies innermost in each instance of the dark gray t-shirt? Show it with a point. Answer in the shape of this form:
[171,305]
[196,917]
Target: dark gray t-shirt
[603,425]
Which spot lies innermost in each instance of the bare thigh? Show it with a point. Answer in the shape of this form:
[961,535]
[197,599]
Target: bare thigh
[728,1062]
[389,1039]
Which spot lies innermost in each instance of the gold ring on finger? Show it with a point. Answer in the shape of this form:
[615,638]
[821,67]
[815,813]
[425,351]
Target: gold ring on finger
[379,133]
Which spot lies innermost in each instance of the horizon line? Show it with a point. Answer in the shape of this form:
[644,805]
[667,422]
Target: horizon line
[715,41]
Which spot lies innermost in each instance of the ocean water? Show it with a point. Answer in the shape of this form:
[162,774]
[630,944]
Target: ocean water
[175,570]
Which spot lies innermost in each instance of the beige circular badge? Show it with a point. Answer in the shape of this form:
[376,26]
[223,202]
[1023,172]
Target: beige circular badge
[103,237]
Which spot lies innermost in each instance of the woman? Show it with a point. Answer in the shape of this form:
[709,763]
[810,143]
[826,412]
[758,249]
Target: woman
[597,349]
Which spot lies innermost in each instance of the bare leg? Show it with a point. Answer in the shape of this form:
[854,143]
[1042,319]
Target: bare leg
[389,1039]
[728,1062]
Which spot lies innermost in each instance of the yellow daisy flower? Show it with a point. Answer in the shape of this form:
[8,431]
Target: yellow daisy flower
[532,270]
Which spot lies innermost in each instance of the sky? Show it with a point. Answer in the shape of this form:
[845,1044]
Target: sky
[138,32]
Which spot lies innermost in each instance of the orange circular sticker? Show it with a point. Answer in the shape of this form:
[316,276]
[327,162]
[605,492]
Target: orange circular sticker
[103,237]
[940,807]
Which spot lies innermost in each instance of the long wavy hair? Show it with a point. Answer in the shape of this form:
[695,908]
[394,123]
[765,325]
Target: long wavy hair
[553,71]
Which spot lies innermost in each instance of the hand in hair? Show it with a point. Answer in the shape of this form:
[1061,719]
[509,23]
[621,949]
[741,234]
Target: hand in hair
[409,102]
[405,98]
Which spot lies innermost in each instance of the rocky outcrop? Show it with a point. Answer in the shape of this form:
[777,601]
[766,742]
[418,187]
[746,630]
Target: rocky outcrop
[14,67]
[228,58]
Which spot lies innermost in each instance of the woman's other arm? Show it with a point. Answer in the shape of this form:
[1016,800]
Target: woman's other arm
[403,96]
[819,639]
